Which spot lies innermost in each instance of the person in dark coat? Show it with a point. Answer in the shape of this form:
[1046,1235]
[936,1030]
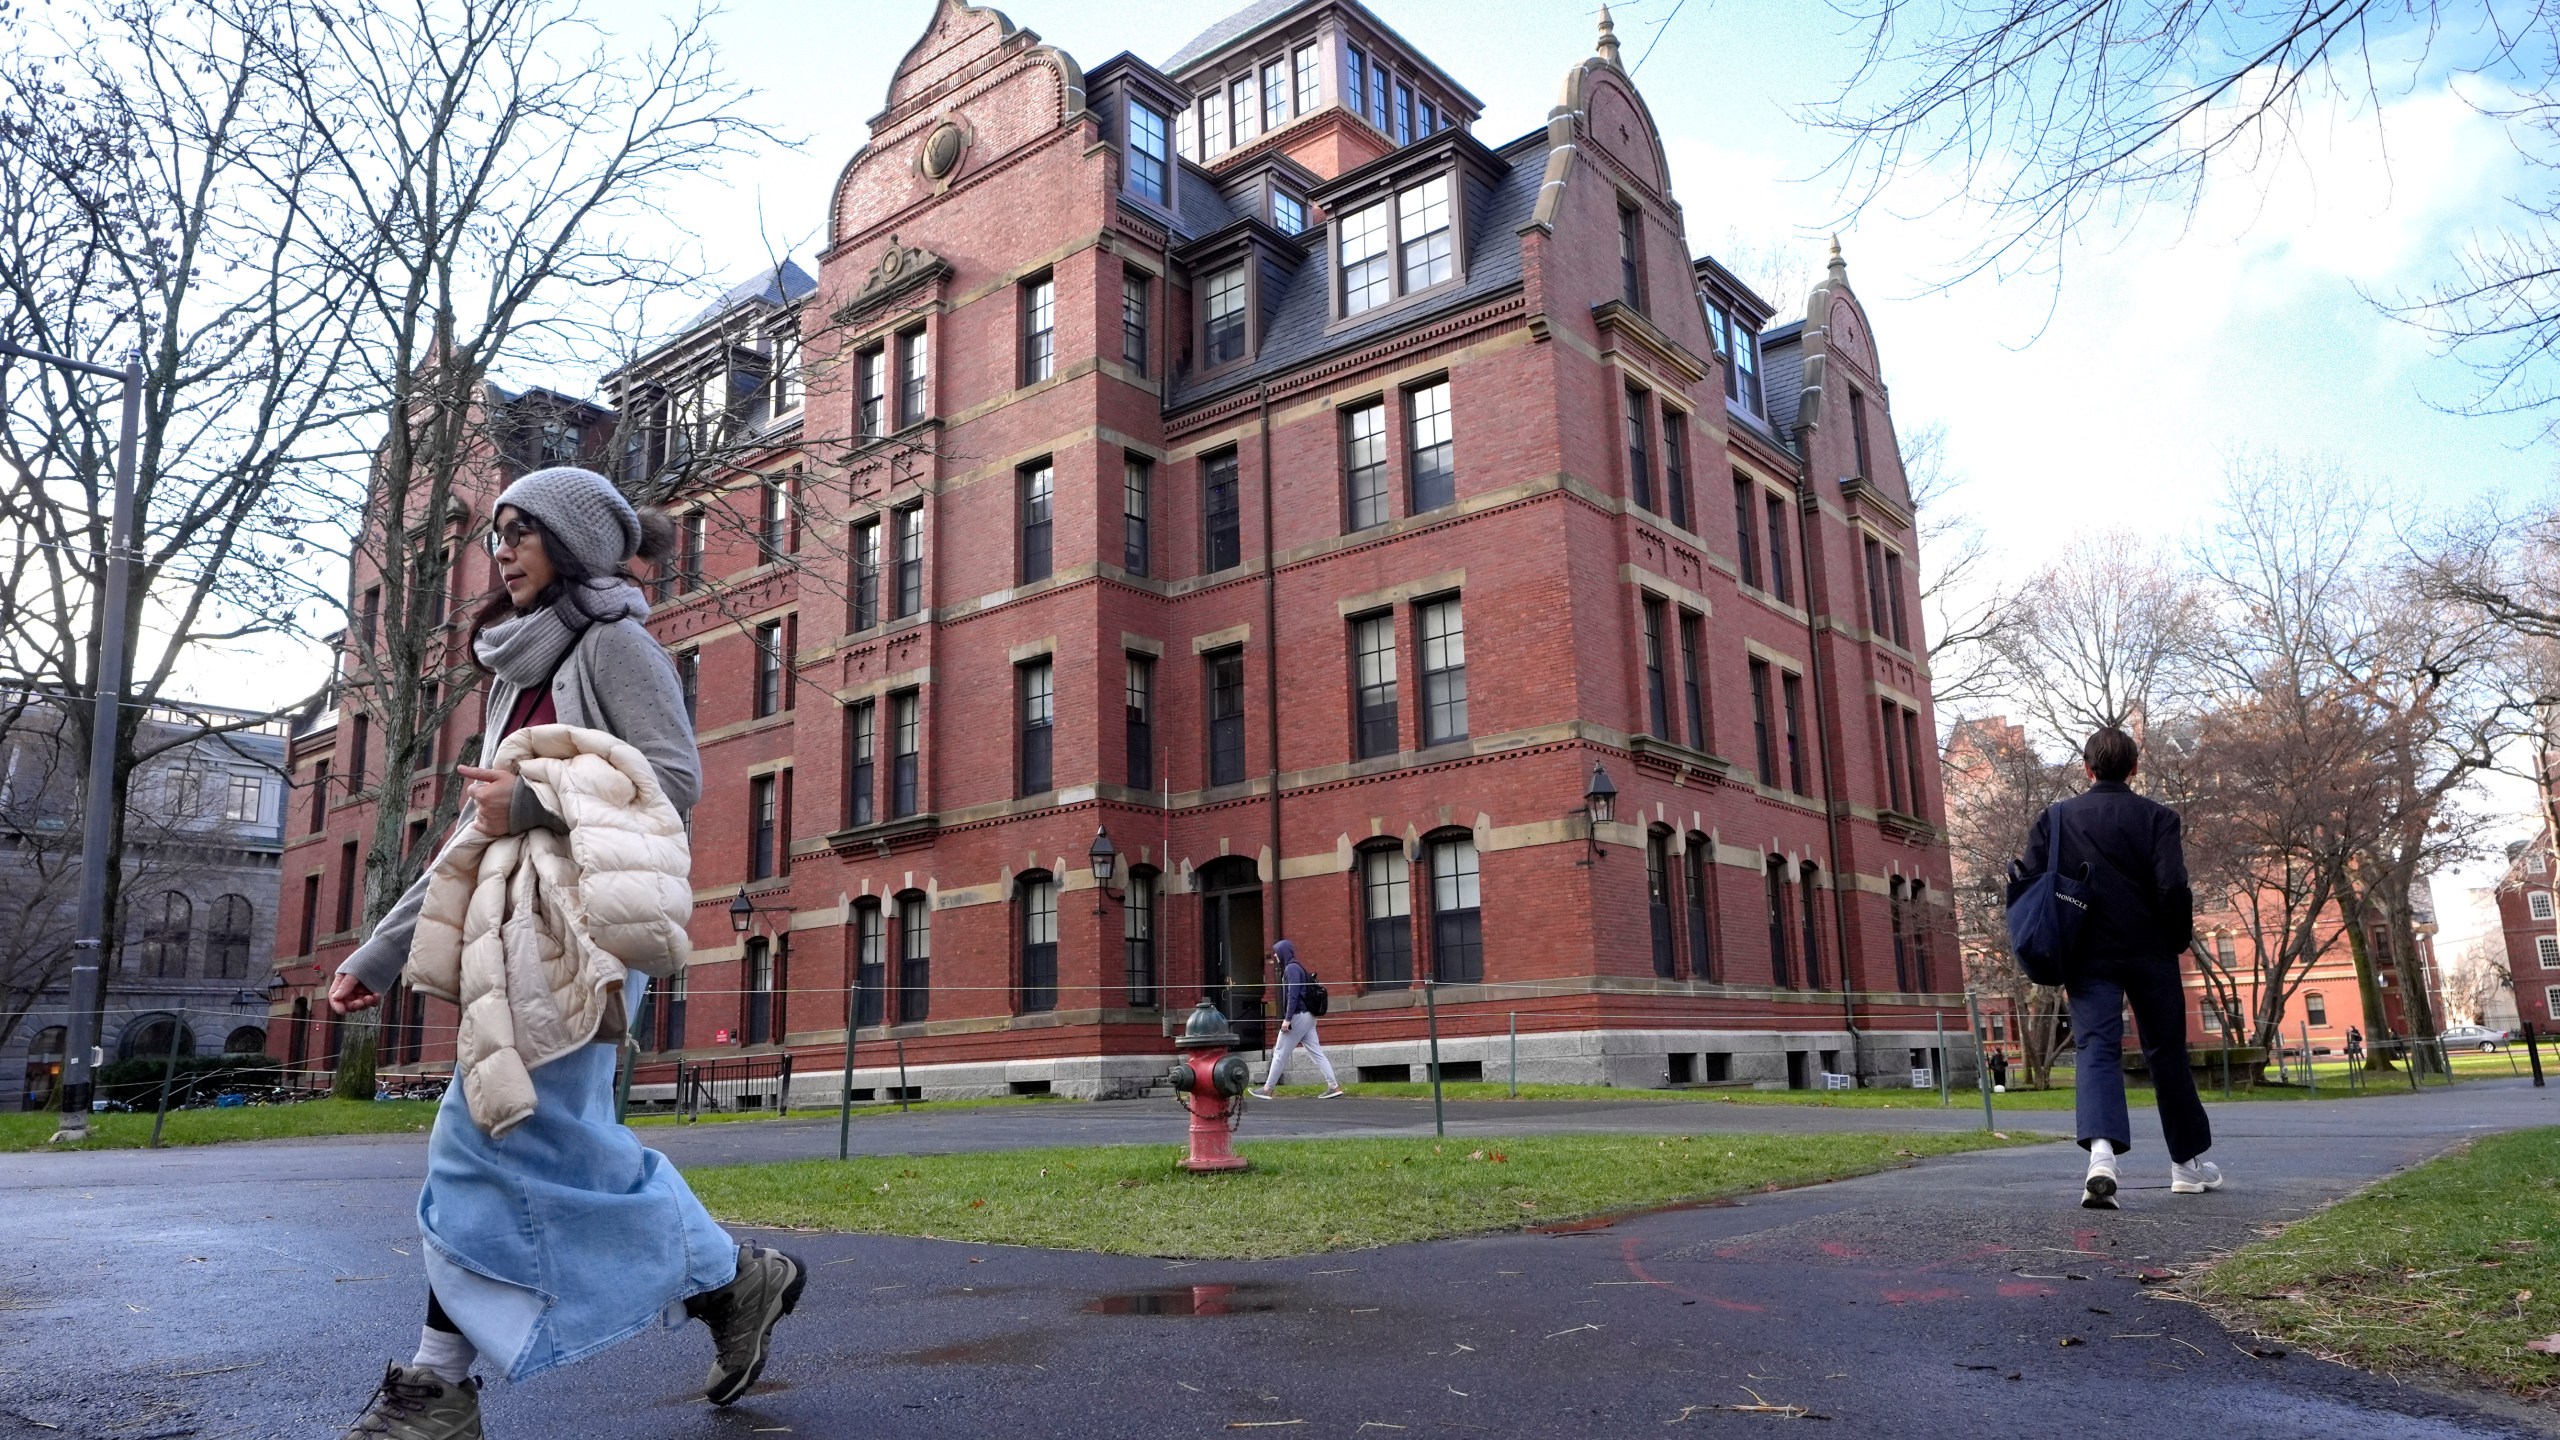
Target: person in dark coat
[2141,920]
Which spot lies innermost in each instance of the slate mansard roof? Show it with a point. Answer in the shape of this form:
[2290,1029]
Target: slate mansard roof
[1226,32]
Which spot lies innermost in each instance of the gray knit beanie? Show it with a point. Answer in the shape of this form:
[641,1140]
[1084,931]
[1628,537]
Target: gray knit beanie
[580,512]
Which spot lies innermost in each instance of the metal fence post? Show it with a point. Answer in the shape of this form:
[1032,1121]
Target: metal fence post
[902,1073]
[1943,1099]
[1515,1054]
[2310,1068]
[844,1092]
[168,1075]
[1981,1065]
[2533,1053]
[1431,1014]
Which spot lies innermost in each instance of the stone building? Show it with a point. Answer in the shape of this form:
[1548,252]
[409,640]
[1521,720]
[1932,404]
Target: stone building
[1387,537]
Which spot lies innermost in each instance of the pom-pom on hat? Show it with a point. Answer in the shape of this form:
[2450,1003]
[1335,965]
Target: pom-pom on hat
[581,514]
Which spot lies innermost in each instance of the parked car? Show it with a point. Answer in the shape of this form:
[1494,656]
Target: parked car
[2473,1037]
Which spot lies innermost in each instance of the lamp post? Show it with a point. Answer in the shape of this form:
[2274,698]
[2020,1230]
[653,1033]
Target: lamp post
[88,974]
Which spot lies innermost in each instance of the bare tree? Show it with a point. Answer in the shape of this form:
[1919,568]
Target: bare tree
[2102,636]
[1996,787]
[1968,609]
[2475,980]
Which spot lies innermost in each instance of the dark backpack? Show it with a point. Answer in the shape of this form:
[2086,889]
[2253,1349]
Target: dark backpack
[1311,995]
[2046,918]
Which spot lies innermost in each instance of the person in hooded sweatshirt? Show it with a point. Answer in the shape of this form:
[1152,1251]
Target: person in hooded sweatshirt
[1297,1025]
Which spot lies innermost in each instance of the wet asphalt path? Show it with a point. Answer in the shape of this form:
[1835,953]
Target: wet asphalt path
[255,1290]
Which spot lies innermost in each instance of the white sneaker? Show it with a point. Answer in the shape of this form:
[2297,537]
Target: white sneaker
[1259,1094]
[2194,1177]
[2098,1192]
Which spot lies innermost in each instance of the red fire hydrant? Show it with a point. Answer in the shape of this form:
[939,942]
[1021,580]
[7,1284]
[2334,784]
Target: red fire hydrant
[1210,1083]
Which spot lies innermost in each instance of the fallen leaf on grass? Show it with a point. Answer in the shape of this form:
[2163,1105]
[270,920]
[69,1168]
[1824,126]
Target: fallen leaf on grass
[2547,1345]
[977,1204]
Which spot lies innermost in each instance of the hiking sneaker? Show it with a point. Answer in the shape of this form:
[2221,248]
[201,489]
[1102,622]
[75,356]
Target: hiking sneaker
[741,1315]
[2098,1192]
[1333,1094]
[2194,1177]
[415,1403]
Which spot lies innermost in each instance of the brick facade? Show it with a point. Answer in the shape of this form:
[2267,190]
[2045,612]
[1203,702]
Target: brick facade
[1529,376]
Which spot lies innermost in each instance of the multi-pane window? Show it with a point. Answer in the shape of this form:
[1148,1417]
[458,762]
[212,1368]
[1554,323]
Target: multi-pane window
[1037,482]
[1364,463]
[915,958]
[1137,480]
[1226,717]
[1240,108]
[360,754]
[865,602]
[870,965]
[1275,93]
[1746,543]
[768,668]
[759,1018]
[1404,113]
[1631,255]
[1038,700]
[1809,894]
[1858,430]
[1911,748]
[1288,213]
[1386,908]
[1444,671]
[690,533]
[1876,621]
[1039,944]
[348,868]
[165,935]
[1639,447]
[1457,914]
[1221,512]
[871,389]
[1426,121]
[907,530]
[1774,886]
[1719,335]
[1895,908]
[2315,1007]
[1373,651]
[1138,939]
[1133,320]
[1150,167]
[1778,583]
[1893,595]
[1355,79]
[912,377]
[244,796]
[1764,734]
[1657,891]
[1694,891]
[903,739]
[1692,683]
[1138,702]
[2546,951]
[1919,936]
[1430,447]
[1310,85]
[1657,687]
[1422,220]
[1378,93]
[1367,279]
[2537,904]
[1213,125]
[1039,329]
[861,749]
[764,814]
[1743,379]
[1224,318]
[773,519]
[689,682]
[1893,767]
[1791,689]
[1675,466]
[320,791]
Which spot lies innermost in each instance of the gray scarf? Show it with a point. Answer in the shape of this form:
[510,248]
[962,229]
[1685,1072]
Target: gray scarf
[525,648]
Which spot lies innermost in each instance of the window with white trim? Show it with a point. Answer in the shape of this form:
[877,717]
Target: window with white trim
[1367,281]
[2538,904]
[2546,951]
[1224,318]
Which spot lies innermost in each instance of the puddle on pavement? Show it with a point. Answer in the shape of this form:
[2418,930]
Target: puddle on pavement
[1186,1300]
[1589,1223]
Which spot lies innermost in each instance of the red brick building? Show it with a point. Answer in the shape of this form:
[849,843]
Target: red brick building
[1244,458]
[2530,925]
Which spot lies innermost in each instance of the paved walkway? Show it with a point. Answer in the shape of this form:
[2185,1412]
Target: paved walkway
[255,1290]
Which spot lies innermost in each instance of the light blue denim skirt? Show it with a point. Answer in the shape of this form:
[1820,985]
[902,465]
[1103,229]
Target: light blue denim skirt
[566,1234]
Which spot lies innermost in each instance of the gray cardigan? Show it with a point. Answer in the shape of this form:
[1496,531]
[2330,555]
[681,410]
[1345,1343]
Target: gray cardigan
[617,679]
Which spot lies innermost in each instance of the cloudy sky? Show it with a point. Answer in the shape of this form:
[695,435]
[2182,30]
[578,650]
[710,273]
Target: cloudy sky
[2112,396]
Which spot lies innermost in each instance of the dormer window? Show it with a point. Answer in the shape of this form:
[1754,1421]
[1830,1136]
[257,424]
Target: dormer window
[1404,113]
[1422,218]
[1150,168]
[1225,310]
[786,370]
[1719,331]
[1425,121]
[1742,378]
[1397,246]
[1366,280]
[1288,213]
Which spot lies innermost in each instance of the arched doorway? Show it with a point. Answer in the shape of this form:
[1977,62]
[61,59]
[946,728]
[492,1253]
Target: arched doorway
[44,1068]
[1231,942]
[245,1040]
[147,1037]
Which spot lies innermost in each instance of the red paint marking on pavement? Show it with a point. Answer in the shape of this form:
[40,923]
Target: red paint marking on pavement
[2085,1241]
[2022,1290]
[1838,1251]
[1921,1297]
[1627,1252]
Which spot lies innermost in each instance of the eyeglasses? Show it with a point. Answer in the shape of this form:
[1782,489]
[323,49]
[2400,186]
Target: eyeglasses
[512,535]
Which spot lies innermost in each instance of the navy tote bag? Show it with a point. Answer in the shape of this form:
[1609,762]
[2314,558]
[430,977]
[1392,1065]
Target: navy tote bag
[2045,919]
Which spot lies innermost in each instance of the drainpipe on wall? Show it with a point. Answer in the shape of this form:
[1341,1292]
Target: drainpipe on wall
[1271,666]
[1806,505]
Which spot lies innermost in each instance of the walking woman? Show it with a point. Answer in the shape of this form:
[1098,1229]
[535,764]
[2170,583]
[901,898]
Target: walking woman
[549,1232]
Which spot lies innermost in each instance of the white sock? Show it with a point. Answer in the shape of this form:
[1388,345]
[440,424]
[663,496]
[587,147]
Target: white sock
[2101,1149]
[446,1352]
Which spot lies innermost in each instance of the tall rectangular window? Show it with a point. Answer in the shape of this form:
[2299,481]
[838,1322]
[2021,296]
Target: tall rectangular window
[690,533]
[1631,255]
[359,756]
[1373,658]
[903,740]
[1893,595]
[1243,114]
[759,997]
[870,965]
[1444,671]
[773,519]
[1774,887]
[369,618]
[1858,430]
[1657,892]
[1911,753]
[1422,222]
[913,378]
[1876,621]
[1310,86]
[1426,121]
[1222,513]
[689,682]
[1694,888]
[1038,712]
[1430,447]
[907,529]
[764,812]
[1692,683]
[1275,93]
[1891,715]
[1778,584]
[1657,688]
[915,959]
[1366,279]
[1138,704]
[1746,543]
[1226,717]
[1039,945]
[1036,482]
[1133,320]
[1404,113]
[1675,466]
[1138,939]
[320,795]
[1457,914]
[348,878]
[1746,368]
[1809,894]
[768,668]
[1378,92]
[311,914]
[1150,151]
[1386,908]
[1355,80]
[1224,318]
[865,602]
[1039,329]
[861,751]
[1137,479]
[1639,448]
[1364,463]
[871,389]
[1764,732]
[1213,125]
[1791,687]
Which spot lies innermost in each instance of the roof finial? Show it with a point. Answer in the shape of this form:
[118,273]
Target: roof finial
[1839,267]
[1608,37]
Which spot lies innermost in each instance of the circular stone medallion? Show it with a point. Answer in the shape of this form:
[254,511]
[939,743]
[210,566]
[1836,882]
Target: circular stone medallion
[942,150]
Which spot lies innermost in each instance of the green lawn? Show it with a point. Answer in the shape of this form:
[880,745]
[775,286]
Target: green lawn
[119,1131]
[2447,1267]
[807,1112]
[1962,1097]
[1300,1197]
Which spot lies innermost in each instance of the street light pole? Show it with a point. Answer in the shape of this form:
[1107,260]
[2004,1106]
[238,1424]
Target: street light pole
[88,975]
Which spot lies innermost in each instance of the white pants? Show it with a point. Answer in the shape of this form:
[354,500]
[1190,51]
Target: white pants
[1300,1031]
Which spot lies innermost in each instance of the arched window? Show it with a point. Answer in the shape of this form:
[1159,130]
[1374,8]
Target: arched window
[227,948]
[1699,863]
[870,964]
[1919,935]
[1901,942]
[167,925]
[1138,938]
[1457,912]
[148,1037]
[1386,917]
[758,1021]
[1036,901]
[1657,890]
[915,958]
[1810,890]
[1774,883]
